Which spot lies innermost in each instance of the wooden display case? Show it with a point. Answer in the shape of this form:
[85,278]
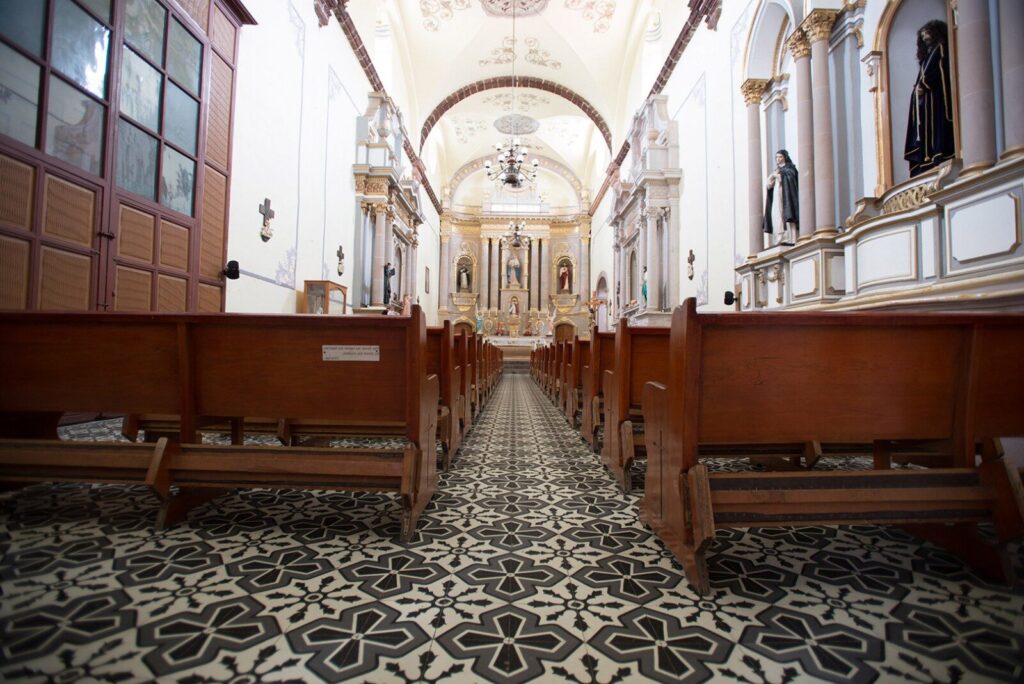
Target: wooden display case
[324,297]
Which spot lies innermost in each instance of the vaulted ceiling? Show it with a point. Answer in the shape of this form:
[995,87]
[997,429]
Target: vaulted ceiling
[450,63]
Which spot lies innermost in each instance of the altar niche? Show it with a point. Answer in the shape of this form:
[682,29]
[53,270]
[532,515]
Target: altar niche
[464,275]
[515,265]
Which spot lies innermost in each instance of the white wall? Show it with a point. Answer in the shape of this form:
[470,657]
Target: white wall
[298,92]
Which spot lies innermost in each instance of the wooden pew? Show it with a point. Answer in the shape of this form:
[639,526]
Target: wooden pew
[574,379]
[462,357]
[563,374]
[201,366]
[441,362]
[843,378]
[601,357]
[641,356]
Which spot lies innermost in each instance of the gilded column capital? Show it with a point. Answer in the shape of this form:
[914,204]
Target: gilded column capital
[798,44]
[818,24]
[753,90]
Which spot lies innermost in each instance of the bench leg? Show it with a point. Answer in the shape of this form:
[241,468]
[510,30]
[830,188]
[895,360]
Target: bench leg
[176,508]
[965,542]
[621,462]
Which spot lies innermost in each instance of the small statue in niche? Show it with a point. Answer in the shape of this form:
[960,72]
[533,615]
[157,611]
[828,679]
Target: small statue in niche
[565,278]
[388,272]
[513,271]
[930,123]
[782,209]
[465,279]
[643,288]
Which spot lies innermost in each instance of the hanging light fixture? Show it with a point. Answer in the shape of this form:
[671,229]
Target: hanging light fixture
[515,237]
[511,169]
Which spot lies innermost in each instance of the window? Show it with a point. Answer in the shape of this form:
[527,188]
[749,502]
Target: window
[161,68]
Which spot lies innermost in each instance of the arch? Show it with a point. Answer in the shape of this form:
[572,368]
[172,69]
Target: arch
[515,82]
[601,291]
[471,167]
[761,51]
[565,330]
[463,326]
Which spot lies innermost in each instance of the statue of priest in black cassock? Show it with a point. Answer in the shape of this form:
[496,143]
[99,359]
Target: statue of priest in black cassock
[782,208]
[930,123]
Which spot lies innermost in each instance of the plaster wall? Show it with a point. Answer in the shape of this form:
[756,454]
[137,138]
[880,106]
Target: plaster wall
[298,92]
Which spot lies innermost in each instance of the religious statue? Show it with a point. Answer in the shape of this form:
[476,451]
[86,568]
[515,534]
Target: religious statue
[388,272]
[513,271]
[643,289]
[407,305]
[479,324]
[513,307]
[464,279]
[564,278]
[930,123]
[782,209]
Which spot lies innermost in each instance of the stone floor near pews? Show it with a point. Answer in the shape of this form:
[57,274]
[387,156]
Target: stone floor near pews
[529,565]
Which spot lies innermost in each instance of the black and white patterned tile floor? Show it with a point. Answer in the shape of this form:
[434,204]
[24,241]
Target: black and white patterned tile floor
[529,565]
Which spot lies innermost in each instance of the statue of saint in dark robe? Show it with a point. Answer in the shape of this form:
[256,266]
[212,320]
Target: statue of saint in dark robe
[930,124]
[782,202]
[389,271]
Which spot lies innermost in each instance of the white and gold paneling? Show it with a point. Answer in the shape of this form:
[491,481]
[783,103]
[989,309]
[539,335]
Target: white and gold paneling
[984,231]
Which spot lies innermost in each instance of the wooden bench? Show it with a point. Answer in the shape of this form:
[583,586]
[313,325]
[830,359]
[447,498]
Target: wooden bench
[836,378]
[441,362]
[574,379]
[641,356]
[220,365]
[601,357]
[464,360]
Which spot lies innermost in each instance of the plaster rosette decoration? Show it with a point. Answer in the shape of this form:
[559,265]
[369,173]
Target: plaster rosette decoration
[504,8]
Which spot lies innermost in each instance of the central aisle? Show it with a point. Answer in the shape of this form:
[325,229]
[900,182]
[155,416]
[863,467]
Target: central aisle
[529,564]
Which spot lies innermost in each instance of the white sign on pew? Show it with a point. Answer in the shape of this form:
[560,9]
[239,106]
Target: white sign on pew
[351,352]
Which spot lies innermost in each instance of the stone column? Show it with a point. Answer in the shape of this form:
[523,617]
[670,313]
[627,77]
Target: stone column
[818,26]
[379,230]
[673,225]
[413,278]
[534,273]
[389,248]
[1011,20]
[444,273]
[484,279]
[653,259]
[545,276]
[801,50]
[583,277]
[753,91]
[977,99]
[494,246]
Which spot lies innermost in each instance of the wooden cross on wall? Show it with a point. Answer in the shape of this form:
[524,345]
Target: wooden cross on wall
[266,232]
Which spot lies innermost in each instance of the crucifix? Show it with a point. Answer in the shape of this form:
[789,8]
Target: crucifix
[689,265]
[341,260]
[266,232]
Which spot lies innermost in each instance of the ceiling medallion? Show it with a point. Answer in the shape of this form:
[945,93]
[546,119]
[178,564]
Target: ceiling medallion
[516,124]
[523,8]
[535,54]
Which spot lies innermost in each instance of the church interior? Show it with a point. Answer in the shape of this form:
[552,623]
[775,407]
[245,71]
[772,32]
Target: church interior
[511,340]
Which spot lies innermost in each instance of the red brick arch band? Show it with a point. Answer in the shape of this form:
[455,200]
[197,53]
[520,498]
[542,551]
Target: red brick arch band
[519,82]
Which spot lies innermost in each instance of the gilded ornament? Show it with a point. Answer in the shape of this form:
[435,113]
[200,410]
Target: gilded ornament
[818,24]
[753,90]
[798,44]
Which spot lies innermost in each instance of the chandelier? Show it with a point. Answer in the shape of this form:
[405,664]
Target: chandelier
[511,169]
[515,237]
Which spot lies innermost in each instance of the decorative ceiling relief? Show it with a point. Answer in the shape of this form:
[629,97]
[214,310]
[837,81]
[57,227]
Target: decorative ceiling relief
[503,8]
[436,11]
[597,11]
[517,124]
[524,102]
[534,54]
[468,128]
[562,132]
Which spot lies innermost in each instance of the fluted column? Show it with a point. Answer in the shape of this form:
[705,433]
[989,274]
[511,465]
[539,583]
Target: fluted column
[389,248]
[753,90]
[977,101]
[534,275]
[379,228]
[412,279]
[819,27]
[674,227]
[494,289]
[583,277]
[444,273]
[1011,20]
[653,260]
[801,50]
[545,275]
[484,279]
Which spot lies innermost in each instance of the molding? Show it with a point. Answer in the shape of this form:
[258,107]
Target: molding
[482,85]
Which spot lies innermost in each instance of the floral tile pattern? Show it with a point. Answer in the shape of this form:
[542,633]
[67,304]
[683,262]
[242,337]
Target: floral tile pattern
[528,565]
